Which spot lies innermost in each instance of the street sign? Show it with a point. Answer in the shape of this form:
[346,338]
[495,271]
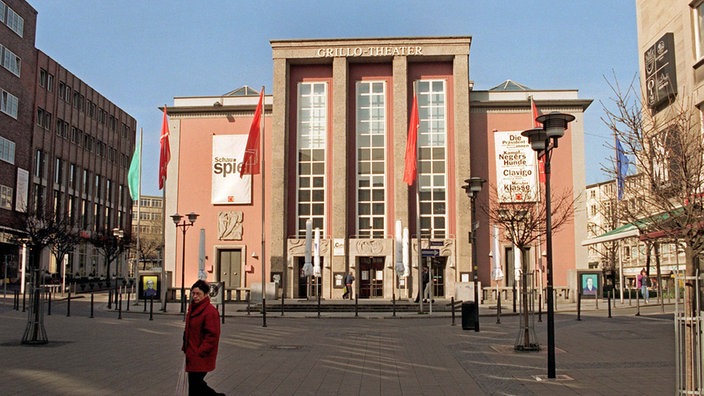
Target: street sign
[437,243]
[430,252]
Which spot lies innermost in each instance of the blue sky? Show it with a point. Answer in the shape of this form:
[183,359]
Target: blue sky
[141,54]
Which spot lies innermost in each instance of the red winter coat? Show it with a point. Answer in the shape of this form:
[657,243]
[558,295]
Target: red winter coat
[201,336]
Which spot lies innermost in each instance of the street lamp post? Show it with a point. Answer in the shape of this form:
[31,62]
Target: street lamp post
[472,188]
[187,222]
[543,141]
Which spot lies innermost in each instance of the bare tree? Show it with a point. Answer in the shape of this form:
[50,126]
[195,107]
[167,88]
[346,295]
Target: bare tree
[149,247]
[666,200]
[110,248]
[64,238]
[524,222]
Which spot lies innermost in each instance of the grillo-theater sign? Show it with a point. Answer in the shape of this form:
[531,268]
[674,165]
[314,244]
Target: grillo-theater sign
[369,51]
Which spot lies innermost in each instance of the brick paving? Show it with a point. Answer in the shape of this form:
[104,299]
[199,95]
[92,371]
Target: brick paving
[340,354]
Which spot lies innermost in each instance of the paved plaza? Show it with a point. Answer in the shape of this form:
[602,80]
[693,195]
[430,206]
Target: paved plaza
[340,354]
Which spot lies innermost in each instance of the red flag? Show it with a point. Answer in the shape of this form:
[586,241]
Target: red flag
[165,154]
[250,162]
[409,171]
[536,124]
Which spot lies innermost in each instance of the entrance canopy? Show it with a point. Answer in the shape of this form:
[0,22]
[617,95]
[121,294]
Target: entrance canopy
[625,231]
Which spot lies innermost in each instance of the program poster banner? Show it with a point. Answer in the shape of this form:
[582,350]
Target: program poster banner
[227,186]
[516,168]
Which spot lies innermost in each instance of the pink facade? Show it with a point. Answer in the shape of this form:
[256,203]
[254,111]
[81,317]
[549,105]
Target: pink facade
[465,123]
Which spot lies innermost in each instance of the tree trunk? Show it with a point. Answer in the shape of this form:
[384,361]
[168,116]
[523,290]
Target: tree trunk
[690,327]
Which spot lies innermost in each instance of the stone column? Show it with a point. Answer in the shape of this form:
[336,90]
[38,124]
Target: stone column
[339,205]
[277,177]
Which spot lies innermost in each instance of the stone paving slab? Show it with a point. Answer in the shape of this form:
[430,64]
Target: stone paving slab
[374,354]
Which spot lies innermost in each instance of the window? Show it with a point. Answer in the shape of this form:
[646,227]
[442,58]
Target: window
[43,118]
[61,127]
[699,30]
[39,162]
[6,197]
[46,80]
[38,200]
[97,187]
[58,171]
[3,10]
[11,62]
[312,129]
[86,184]
[432,175]
[64,92]
[14,21]
[78,100]
[72,173]
[84,214]
[371,158]
[108,191]
[7,150]
[9,104]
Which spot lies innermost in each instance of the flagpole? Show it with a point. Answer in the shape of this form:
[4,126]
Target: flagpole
[163,216]
[618,193]
[139,201]
[418,230]
[262,168]
[541,180]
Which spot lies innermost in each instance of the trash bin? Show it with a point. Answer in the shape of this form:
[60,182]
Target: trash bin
[469,315]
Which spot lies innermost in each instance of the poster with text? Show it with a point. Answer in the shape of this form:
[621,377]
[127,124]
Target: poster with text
[227,186]
[516,168]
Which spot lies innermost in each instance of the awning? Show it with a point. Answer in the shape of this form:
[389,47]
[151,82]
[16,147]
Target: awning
[625,231]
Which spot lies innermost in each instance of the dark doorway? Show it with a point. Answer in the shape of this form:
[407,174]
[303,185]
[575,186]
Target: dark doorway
[437,266]
[371,277]
[306,286]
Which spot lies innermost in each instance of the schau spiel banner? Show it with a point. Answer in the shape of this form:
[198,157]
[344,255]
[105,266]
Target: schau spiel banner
[227,186]
[516,168]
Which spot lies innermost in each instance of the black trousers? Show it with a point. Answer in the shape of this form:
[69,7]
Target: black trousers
[197,385]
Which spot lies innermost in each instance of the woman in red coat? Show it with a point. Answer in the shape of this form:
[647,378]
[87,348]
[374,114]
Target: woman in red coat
[200,339]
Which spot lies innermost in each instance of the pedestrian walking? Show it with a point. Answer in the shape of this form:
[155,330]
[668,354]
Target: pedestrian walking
[425,287]
[200,339]
[643,283]
[349,278]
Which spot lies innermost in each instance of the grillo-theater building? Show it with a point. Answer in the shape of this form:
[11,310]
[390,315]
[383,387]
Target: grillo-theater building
[335,133]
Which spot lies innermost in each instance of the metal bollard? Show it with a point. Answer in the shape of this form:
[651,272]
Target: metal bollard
[151,308]
[393,304]
[356,306]
[452,307]
[68,303]
[223,310]
[119,308]
[579,305]
[91,303]
[498,309]
[608,300]
[48,312]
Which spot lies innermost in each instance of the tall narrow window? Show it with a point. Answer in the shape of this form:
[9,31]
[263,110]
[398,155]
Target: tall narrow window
[39,164]
[58,171]
[432,137]
[312,130]
[699,30]
[371,159]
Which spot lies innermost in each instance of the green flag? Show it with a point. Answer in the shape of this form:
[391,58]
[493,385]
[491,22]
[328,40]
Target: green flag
[133,176]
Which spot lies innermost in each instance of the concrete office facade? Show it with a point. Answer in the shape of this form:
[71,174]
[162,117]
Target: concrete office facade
[335,138]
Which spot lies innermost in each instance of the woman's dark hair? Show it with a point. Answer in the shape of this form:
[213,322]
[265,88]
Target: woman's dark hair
[202,285]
